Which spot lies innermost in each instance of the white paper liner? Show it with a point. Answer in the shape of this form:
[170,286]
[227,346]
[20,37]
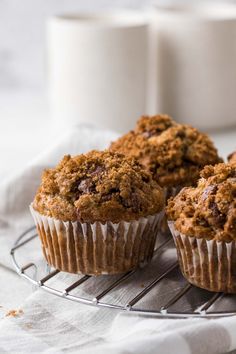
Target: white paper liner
[97,248]
[208,264]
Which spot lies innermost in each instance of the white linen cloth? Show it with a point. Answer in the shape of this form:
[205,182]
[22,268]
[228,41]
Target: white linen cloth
[53,325]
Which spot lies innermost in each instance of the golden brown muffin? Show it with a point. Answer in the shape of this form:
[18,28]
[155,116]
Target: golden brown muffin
[97,213]
[208,210]
[203,223]
[98,186]
[232,157]
[173,153]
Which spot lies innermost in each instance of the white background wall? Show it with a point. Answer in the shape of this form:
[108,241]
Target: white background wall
[22,35]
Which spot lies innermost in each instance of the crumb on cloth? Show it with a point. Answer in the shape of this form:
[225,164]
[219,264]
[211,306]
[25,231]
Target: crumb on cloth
[28,325]
[14,313]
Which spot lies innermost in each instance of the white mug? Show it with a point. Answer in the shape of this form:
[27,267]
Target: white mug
[193,64]
[97,69]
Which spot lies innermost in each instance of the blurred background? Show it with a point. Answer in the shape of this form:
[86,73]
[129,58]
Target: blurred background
[25,111]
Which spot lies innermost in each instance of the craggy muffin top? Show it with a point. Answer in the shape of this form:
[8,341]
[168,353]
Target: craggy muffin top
[98,186]
[208,210]
[232,157]
[174,153]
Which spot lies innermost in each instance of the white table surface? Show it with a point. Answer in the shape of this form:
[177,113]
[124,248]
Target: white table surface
[25,130]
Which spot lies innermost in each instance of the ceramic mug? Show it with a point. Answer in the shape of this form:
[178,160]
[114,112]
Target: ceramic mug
[97,69]
[192,72]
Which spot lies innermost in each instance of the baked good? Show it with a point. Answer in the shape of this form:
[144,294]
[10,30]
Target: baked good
[97,213]
[203,224]
[232,157]
[174,153]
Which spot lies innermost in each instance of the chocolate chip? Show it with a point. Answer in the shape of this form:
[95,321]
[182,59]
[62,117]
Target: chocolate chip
[233,173]
[86,186]
[208,191]
[149,134]
[136,205]
[218,217]
[108,196]
[133,202]
[105,198]
[146,179]
[181,134]
[114,190]
[98,171]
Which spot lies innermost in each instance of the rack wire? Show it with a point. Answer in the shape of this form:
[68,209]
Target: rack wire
[166,293]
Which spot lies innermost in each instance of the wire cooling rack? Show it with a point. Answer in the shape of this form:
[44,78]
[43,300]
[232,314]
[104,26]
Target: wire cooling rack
[159,289]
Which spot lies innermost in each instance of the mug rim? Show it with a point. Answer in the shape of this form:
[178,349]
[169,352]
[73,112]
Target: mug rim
[201,11]
[103,19]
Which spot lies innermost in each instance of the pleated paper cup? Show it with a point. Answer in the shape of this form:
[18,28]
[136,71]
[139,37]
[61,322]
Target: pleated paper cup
[97,248]
[208,264]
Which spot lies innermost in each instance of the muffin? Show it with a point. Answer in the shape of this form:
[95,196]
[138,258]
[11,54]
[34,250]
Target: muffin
[97,213]
[173,153]
[203,223]
[232,157]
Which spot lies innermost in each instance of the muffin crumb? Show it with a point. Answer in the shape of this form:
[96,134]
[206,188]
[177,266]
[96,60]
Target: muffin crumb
[14,313]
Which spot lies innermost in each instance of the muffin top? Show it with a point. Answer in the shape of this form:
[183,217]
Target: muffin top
[232,157]
[173,153]
[209,209]
[98,186]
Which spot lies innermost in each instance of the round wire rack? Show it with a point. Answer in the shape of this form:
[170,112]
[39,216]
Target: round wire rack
[158,289]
